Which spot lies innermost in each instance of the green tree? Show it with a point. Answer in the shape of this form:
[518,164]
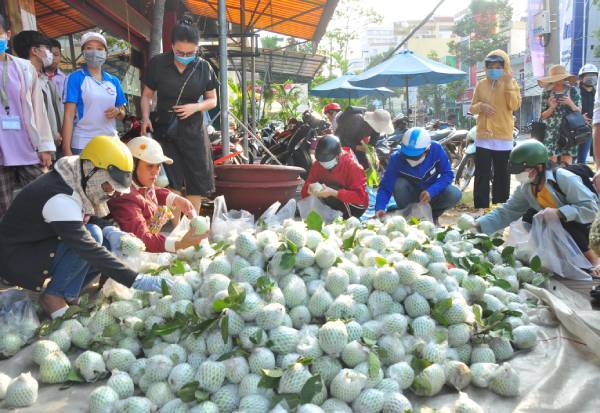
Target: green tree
[349,19]
[433,95]
[483,27]
[378,58]
[270,42]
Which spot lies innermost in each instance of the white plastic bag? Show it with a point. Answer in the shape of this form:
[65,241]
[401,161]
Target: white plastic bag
[519,237]
[17,314]
[419,210]
[312,203]
[226,222]
[274,216]
[557,250]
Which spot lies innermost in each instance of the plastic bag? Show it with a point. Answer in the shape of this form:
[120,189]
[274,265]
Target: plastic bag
[312,203]
[519,237]
[557,250]
[419,210]
[274,216]
[17,314]
[147,261]
[225,223]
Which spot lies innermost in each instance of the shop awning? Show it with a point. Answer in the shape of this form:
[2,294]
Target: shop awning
[63,17]
[275,65]
[303,19]
[57,18]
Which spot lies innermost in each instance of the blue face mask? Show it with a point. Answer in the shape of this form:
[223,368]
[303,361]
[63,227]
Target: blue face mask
[3,45]
[185,60]
[495,74]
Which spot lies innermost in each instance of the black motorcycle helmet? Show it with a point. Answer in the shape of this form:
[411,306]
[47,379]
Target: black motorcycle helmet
[328,148]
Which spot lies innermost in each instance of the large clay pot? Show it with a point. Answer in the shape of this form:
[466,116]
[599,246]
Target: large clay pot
[256,187]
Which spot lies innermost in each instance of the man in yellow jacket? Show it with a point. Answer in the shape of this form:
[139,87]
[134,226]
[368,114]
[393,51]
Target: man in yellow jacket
[495,99]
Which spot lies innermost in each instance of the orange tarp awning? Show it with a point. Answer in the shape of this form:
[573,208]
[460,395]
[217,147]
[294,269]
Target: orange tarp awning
[57,18]
[303,19]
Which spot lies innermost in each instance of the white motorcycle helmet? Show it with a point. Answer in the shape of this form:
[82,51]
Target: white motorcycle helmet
[588,75]
[588,68]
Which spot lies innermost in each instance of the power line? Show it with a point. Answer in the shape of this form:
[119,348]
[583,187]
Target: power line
[413,31]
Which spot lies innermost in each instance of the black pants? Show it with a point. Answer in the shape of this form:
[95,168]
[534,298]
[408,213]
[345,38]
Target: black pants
[487,161]
[578,231]
[348,210]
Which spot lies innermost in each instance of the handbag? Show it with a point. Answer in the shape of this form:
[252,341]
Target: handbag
[172,129]
[573,130]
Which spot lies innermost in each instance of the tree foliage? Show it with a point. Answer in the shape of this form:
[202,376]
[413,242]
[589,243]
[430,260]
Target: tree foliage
[349,20]
[270,42]
[483,28]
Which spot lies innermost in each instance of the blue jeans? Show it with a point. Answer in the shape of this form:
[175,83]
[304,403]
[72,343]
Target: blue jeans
[76,151]
[583,150]
[70,273]
[406,193]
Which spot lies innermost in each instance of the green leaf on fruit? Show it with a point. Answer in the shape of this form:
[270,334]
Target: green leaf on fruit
[508,255]
[187,393]
[314,221]
[225,328]
[502,284]
[374,365]
[292,246]
[288,260]
[257,337]
[311,388]
[164,287]
[380,261]
[536,264]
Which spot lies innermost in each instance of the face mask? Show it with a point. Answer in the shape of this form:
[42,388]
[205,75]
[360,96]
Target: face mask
[590,80]
[3,45]
[48,58]
[94,58]
[415,162]
[185,60]
[329,165]
[523,177]
[495,74]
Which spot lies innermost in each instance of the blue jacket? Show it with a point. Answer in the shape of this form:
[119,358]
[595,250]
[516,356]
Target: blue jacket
[577,203]
[434,174]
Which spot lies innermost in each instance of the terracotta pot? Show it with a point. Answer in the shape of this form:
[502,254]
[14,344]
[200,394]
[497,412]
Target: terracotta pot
[257,173]
[256,187]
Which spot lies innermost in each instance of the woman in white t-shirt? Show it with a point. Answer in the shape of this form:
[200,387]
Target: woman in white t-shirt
[94,99]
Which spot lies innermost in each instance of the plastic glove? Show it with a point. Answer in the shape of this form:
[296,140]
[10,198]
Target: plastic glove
[146,282]
[315,188]
[550,213]
[113,235]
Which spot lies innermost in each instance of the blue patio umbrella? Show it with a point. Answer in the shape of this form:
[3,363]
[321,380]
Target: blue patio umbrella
[406,69]
[340,88]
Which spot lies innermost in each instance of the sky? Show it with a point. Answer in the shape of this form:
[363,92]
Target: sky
[409,10]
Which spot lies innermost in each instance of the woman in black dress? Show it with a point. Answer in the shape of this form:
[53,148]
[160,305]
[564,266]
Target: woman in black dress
[180,79]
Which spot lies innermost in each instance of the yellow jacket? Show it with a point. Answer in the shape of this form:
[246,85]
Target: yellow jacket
[504,95]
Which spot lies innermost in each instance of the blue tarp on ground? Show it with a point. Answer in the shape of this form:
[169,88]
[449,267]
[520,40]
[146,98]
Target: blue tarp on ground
[370,213]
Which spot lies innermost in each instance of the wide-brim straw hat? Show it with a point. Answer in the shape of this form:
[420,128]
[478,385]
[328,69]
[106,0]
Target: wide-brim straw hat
[556,74]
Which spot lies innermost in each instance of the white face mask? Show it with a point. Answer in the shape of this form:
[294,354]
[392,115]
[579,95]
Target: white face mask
[329,164]
[523,177]
[47,61]
[415,162]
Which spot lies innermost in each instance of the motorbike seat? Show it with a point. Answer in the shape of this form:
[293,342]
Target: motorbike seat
[440,134]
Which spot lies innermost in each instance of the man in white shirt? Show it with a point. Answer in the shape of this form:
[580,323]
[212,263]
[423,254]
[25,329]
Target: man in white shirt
[56,75]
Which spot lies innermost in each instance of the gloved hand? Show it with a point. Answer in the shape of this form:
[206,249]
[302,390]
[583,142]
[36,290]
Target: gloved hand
[550,213]
[113,235]
[147,282]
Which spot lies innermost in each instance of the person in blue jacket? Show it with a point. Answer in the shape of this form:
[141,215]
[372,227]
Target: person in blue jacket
[419,171]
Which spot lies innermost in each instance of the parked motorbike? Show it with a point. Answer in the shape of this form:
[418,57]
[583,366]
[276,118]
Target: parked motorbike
[293,148]
[466,167]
